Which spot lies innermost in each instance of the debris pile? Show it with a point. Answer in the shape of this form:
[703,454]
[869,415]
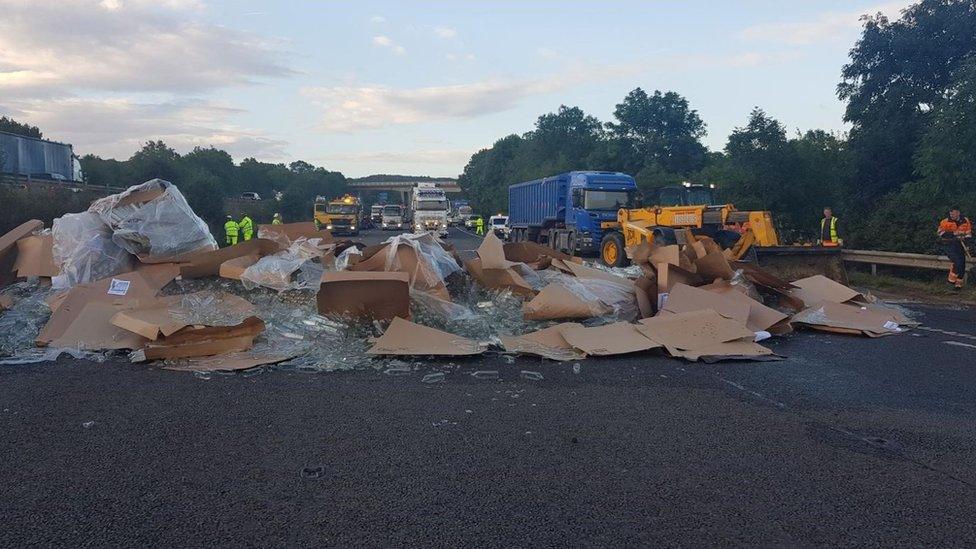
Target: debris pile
[139,276]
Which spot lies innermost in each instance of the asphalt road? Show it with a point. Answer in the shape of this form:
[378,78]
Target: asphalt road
[850,441]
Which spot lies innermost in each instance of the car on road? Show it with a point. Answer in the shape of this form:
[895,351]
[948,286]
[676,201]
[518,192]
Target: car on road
[499,225]
[250,196]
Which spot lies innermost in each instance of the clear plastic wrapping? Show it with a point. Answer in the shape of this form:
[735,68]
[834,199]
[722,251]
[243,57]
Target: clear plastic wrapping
[83,246]
[154,221]
[275,271]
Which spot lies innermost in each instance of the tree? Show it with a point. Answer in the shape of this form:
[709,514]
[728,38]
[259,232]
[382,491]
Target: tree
[10,125]
[660,130]
[899,72]
[154,160]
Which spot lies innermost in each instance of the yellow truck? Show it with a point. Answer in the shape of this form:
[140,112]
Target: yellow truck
[747,235]
[340,215]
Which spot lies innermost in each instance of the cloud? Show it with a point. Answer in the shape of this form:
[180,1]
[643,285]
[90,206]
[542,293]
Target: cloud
[546,53]
[387,42]
[452,157]
[445,32]
[377,19]
[349,109]
[829,26]
[118,127]
[57,48]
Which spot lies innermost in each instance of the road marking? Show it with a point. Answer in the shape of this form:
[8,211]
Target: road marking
[948,332]
[960,344]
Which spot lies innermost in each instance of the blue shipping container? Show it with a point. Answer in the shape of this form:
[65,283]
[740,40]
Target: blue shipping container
[30,156]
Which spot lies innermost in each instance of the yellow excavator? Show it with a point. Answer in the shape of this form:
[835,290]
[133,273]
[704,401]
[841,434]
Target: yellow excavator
[747,235]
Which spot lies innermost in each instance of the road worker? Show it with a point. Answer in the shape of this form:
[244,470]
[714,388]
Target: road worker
[829,236]
[231,229]
[479,226]
[276,219]
[247,227]
[954,231]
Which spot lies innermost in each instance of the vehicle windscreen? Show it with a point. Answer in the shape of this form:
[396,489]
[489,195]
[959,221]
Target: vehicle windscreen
[431,205]
[499,221]
[320,207]
[342,209]
[700,197]
[606,200]
[391,210]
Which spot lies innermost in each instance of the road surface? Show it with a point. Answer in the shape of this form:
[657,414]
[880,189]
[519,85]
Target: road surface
[850,441]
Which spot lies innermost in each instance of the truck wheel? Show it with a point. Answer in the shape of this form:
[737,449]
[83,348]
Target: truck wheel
[612,250]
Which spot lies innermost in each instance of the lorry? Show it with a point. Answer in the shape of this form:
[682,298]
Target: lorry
[393,218]
[38,158]
[430,209]
[340,215]
[376,214]
[566,211]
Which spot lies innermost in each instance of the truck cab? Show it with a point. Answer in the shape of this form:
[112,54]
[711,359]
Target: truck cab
[392,218]
[566,211]
[339,216]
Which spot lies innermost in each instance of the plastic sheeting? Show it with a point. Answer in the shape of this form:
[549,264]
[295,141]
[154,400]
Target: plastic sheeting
[275,271]
[83,246]
[442,264]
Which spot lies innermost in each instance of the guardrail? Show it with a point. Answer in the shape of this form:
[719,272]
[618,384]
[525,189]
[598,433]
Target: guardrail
[898,259]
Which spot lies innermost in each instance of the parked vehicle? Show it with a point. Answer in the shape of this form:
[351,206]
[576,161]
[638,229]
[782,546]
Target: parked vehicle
[393,218]
[566,211]
[376,214]
[250,196]
[498,224]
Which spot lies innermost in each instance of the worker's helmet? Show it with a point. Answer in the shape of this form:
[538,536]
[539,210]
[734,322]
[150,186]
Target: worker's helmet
[277,214]
[229,217]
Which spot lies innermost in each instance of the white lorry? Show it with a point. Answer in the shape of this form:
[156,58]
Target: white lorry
[393,217]
[430,209]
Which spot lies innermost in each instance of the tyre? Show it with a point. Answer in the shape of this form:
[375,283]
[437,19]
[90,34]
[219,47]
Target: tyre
[612,250]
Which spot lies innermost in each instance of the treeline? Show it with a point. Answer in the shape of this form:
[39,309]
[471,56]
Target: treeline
[910,88]
[207,176]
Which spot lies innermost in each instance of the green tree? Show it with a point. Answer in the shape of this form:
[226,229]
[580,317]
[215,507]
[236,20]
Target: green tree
[10,125]
[154,160]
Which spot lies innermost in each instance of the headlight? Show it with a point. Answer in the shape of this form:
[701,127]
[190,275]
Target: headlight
[352,227]
[329,227]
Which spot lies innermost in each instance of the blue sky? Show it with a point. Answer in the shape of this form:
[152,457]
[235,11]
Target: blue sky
[404,87]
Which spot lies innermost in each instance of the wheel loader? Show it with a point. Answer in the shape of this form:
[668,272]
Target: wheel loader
[747,235]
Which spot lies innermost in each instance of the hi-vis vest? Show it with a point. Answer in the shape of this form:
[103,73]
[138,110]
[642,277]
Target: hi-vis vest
[833,228]
[230,227]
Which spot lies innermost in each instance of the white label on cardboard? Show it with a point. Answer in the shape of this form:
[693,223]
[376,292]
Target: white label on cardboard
[891,325]
[118,287]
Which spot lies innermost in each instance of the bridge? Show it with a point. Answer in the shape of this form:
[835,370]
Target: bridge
[449,185]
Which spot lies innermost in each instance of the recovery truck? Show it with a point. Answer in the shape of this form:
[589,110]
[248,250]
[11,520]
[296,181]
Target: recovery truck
[340,215]
[747,235]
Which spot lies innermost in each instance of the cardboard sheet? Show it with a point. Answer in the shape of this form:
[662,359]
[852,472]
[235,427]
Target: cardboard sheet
[492,253]
[406,338]
[230,362]
[194,341]
[286,233]
[730,350]
[364,295]
[693,330]
[423,277]
[208,263]
[531,253]
[547,343]
[233,269]
[499,279]
[761,317]
[611,339]
[849,318]
[668,276]
[556,302]
[582,271]
[8,249]
[6,302]
[818,288]
[685,299]
[713,265]
[645,289]
[35,257]
[165,316]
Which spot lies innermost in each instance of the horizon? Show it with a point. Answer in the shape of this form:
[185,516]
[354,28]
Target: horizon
[394,88]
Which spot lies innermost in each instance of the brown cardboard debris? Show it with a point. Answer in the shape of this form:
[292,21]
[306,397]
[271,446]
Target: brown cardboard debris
[194,341]
[818,288]
[611,339]
[361,295]
[35,256]
[499,279]
[764,278]
[704,335]
[730,350]
[582,271]
[556,302]
[158,275]
[406,338]
[208,263]
[849,319]
[229,362]
[645,288]
[531,253]
[668,276]
[548,343]
[761,317]
[6,302]
[492,253]
[234,268]
[286,233]
[165,316]
[423,276]
[684,299]
[713,265]
[82,318]
[8,249]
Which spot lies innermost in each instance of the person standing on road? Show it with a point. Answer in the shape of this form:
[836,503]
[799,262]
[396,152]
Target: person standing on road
[953,231]
[479,226]
[829,236]
[276,219]
[247,227]
[230,231]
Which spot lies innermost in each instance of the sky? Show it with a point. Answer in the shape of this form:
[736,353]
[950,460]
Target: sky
[405,87]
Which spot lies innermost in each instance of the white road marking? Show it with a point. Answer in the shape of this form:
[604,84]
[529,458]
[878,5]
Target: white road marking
[960,344]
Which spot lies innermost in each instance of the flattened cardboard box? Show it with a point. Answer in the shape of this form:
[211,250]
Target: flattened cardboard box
[530,253]
[406,338]
[611,339]
[423,277]
[364,295]
[195,341]
[499,279]
[547,343]
[556,302]
[208,263]
[8,249]
[492,253]
[685,299]
[849,318]
[819,288]
[233,269]
[6,302]
[35,257]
